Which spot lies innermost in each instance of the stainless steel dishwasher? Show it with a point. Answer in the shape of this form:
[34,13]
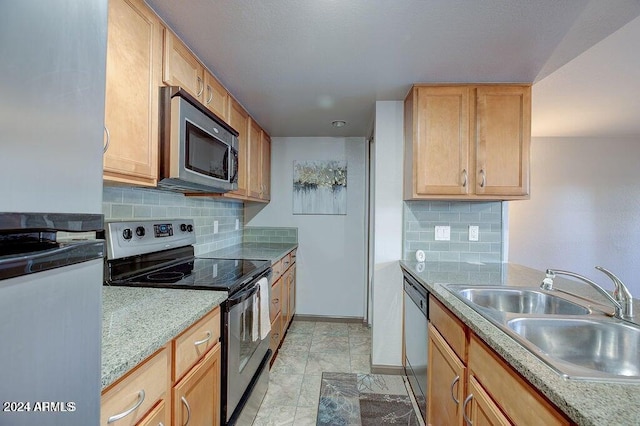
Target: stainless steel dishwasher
[416,317]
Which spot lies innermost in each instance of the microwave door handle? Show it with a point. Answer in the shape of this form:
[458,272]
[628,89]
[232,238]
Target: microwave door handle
[234,178]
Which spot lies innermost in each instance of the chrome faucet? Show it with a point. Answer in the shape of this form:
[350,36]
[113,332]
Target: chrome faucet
[623,301]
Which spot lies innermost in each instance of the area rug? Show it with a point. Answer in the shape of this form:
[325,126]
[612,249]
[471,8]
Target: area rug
[349,399]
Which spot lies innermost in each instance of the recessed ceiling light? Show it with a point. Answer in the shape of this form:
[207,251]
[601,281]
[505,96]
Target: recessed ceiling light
[338,123]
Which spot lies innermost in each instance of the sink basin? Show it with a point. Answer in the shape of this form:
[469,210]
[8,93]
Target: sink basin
[605,349]
[519,300]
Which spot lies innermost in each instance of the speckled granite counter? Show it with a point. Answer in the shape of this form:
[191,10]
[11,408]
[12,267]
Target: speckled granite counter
[139,321]
[262,251]
[586,403]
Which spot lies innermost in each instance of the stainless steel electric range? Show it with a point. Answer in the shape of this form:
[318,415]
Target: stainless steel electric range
[160,253]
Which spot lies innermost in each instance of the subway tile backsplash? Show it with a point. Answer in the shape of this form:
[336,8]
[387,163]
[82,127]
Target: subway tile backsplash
[259,234]
[421,218]
[127,203]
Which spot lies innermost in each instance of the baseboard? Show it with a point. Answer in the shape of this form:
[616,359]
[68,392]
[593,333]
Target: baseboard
[323,318]
[395,370]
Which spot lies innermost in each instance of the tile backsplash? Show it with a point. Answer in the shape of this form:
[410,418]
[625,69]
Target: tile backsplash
[127,203]
[259,234]
[421,217]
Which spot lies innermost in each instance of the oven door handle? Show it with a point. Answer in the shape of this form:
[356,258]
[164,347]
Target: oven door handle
[242,296]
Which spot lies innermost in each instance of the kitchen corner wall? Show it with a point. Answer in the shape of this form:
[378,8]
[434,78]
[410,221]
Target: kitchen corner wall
[128,203]
[421,217]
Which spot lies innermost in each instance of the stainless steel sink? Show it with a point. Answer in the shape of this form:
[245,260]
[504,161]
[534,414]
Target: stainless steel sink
[584,348]
[518,300]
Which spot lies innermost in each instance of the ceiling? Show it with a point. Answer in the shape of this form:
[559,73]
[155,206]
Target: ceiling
[296,65]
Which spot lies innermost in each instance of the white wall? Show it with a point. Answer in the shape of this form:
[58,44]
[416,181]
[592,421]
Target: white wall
[330,274]
[386,287]
[584,209]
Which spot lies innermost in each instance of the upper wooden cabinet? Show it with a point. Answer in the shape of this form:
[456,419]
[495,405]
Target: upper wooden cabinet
[467,141]
[182,68]
[134,66]
[259,162]
[239,120]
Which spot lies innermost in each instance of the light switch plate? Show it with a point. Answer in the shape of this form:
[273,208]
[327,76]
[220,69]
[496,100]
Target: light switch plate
[215,226]
[237,224]
[443,233]
[474,232]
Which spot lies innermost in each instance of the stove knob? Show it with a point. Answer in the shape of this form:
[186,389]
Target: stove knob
[189,228]
[183,227]
[127,234]
[140,231]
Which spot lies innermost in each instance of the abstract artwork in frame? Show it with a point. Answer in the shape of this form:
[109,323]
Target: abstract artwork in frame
[320,187]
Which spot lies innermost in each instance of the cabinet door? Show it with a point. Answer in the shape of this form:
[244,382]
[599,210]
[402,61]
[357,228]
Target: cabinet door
[265,164]
[445,382]
[441,141]
[481,410]
[503,138]
[181,67]
[285,300]
[196,398]
[239,120]
[292,292]
[255,160]
[216,97]
[134,64]
[156,417]
[276,300]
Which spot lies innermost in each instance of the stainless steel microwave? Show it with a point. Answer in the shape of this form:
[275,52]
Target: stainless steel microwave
[198,151]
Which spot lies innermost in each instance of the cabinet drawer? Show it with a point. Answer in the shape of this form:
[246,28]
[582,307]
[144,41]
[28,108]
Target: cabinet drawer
[191,345]
[286,262]
[137,392]
[293,256]
[450,327]
[276,270]
[276,300]
[521,402]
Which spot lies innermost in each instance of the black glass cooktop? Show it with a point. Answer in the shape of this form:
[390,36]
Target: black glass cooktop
[196,273]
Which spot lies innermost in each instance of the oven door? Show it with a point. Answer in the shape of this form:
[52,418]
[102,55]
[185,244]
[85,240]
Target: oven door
[245,350]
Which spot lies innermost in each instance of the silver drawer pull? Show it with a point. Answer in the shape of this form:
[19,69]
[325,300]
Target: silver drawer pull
[186,404]
[452,385]
[464,410]
[205,340]
[130,410]
[276,301]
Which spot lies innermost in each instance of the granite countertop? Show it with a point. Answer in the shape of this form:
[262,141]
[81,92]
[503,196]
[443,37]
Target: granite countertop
[584,402]
[262,251]
[139,321]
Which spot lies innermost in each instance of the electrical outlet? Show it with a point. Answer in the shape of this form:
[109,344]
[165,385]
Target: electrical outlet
[443,233]
[237,224]
[474,232]
[215,226]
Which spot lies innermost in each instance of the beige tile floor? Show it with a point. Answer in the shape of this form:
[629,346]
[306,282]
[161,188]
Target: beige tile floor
[310,348]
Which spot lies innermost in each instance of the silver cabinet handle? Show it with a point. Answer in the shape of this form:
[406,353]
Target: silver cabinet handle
[186,404]
[205,340]
[456,380]
[160,424]
[276,301]
[464,175]
[130,410]
[200,87]
[106,145]
[210,92]
[483,175]
[464,410]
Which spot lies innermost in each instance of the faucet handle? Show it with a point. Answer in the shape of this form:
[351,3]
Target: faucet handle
[621,291]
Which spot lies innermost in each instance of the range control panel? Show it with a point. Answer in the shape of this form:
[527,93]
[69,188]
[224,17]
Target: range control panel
[147,236]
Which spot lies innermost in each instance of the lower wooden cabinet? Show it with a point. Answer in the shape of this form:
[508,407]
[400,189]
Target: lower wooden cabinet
[196,398]
[283,299]
[178,385]
[468,383]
